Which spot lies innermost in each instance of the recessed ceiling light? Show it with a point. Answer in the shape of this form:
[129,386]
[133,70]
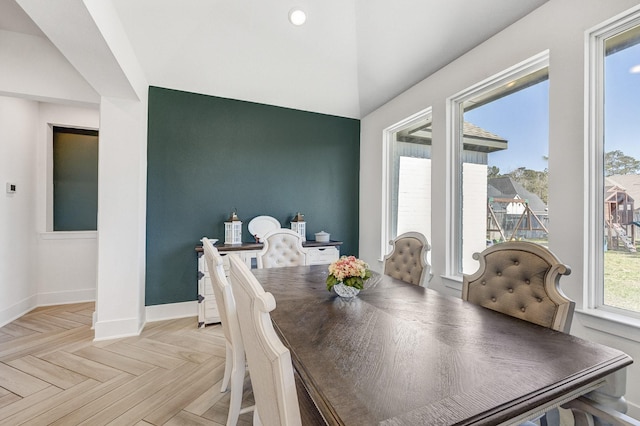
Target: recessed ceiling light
[297,16]
[635,69]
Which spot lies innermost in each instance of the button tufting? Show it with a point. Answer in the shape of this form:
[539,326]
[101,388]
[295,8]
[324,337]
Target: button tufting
[493,299]
[510,290]
[523,309]
[516,263]
[527,281]
[499,274]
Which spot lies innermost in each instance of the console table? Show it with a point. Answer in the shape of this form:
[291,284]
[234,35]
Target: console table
[318,253]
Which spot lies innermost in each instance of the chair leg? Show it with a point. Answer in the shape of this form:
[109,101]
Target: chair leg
[228,366]
[237,384]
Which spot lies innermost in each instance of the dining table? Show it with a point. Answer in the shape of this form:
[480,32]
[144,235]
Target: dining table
[401,354]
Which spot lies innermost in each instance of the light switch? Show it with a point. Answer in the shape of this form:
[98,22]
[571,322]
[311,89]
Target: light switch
[11,188]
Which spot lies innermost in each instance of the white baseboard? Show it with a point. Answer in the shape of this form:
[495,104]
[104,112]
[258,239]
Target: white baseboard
[171,311]
[633,410]
[66,297]
[107,330]
[17,310]
[104,330]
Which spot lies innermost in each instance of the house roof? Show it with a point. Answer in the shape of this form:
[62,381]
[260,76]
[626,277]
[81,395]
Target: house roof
[472,131]
[629,183]
[506,187]
[475,138]
[481,140]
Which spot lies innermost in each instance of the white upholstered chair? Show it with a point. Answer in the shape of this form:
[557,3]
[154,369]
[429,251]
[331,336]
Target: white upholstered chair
[521,279]
[272,377]
[234,369]
[282,247]
[408,259]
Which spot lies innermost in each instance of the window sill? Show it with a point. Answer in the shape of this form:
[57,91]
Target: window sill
[610,323]
[452,281]
[69,235]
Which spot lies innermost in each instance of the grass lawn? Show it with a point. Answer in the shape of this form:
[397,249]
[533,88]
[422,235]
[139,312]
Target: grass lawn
[622,280]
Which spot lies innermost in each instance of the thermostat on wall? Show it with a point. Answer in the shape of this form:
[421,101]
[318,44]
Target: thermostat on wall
[11,188]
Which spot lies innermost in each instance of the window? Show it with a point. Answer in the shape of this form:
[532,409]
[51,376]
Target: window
[499,153]
[75,179]
[408,177]
[614,166]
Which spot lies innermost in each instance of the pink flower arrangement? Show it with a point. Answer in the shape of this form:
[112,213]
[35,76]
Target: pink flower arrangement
[348,270]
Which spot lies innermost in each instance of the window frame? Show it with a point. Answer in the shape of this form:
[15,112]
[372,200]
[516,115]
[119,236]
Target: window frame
[388,140]
[454,136]
[618,321]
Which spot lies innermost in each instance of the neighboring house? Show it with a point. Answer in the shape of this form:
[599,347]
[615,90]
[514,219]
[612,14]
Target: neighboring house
[631,185]
[512,208]
[620,214]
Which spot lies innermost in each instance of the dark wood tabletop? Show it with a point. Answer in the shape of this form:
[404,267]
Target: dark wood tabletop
[399,354]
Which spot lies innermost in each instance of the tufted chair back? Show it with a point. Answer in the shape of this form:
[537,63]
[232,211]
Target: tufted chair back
[408,259]
[282,247]
[521,279]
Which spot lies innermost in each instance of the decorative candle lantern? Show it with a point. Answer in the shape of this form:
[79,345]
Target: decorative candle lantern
[233,230]
[299,225]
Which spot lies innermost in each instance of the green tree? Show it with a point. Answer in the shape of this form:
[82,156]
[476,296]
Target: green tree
[533,181]
[617,163]
[493,172]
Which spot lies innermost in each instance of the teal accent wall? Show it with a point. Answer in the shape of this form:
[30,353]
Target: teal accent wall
[208,156]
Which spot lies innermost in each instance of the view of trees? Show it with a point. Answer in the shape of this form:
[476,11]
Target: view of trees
[534,181]
[616,163]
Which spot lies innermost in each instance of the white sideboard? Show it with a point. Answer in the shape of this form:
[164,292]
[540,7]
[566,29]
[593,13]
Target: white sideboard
[318,254]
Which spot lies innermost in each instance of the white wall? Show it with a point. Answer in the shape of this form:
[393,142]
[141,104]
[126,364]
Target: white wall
[101,71]
[17,211]
[66,261]
[38,267]
[121,219]
[32,67]
[559,26]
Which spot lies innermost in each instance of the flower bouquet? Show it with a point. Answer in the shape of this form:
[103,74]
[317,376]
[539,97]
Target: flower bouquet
[350,271]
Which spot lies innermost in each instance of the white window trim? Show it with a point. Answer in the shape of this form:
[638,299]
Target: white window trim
[388,136]
[454,111]
[594,313]
[69,235]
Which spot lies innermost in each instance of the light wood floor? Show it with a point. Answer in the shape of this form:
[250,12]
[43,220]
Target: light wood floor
[52,373]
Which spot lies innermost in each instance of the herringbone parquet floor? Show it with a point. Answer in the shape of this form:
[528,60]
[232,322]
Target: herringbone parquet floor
[52,373]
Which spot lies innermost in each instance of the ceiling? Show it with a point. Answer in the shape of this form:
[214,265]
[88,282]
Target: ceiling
[349,58]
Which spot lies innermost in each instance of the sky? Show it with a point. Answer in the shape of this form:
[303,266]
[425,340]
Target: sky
[523,120]
[622,102]
[523,117]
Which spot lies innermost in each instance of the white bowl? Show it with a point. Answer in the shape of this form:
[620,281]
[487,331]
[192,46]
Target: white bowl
[322,237]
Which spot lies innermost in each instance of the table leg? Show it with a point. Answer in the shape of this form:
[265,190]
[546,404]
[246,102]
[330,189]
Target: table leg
[604,406]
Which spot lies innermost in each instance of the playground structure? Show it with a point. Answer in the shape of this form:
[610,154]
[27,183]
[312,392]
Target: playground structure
[620,232]
[513,216]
